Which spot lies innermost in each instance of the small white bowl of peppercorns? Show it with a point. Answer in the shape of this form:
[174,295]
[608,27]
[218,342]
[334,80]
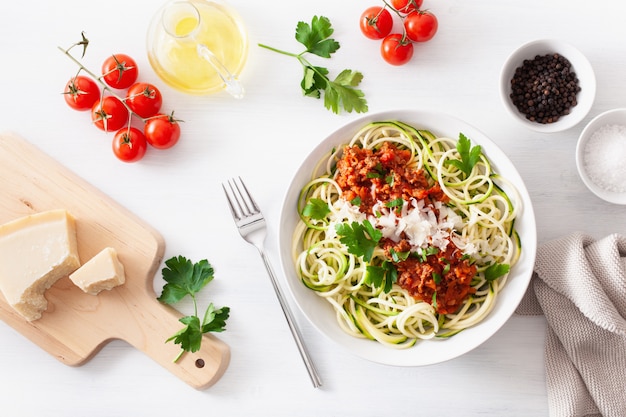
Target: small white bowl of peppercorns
[548,85]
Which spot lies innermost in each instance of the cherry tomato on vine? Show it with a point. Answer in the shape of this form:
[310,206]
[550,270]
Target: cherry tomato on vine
[109,114]
[81,93]
[119,71]
[406,6]
[162,131]
[129,144]
[144,99]
[421,26]
[396,49]
[376,22]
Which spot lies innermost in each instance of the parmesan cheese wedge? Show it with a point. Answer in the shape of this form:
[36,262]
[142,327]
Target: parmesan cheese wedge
[35,252]
[102,272]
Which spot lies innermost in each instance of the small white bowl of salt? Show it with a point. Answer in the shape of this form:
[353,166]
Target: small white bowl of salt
[601,156]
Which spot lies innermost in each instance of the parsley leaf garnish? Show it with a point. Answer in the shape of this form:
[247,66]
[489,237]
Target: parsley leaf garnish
[338,93]
[381,276]
[316,208]
[495,271]
[183,278]
[426,252]
[360,238]
[316,37]
[469,155]
[399,256]
[395,203]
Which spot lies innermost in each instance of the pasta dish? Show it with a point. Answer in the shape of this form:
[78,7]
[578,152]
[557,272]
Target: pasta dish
[407,235]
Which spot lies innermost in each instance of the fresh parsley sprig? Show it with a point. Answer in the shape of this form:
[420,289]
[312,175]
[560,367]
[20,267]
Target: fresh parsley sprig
[316,208]
[495,271]
[360,238]
[383,276]
[183,277]
[470,155]
[338,93]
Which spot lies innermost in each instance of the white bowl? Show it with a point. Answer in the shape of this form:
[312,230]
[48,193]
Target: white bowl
[613,156]
[580,64]
[321,314]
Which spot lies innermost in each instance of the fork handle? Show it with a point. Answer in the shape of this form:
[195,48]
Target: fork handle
[315,379]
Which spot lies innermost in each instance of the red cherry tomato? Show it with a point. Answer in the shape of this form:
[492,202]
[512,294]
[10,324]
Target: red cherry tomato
[129,144]
[406,6]
[376,22]
[420,26]
[162,131]
[144,99]
[119,71]
[81,93]
[109,114]
[396,49]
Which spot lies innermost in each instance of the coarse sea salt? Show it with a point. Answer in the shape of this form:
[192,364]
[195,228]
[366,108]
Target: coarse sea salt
[604,158]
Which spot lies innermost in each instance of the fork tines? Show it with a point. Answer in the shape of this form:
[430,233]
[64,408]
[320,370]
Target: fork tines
[239,199]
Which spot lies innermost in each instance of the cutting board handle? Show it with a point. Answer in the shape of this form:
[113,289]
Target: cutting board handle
[199,369]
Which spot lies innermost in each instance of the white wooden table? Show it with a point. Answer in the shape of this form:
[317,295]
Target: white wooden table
[263,138]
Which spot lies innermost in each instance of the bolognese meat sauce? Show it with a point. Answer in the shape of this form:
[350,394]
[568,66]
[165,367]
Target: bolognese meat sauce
[385,175]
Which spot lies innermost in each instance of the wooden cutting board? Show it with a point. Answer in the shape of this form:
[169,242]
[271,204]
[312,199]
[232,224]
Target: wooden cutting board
[77,325]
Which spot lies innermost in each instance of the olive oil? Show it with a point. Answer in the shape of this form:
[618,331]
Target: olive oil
[176,58]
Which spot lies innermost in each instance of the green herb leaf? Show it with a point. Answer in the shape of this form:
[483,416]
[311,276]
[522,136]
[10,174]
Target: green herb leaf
[342,92]
[430,250]
[360,238]
[495,271]
[315,36]
[314,81]
[183,277]
[316,208]
[469,155]
[215,319]
[398,202]
[399,256]
[339,93]
[189,337]
[381,276]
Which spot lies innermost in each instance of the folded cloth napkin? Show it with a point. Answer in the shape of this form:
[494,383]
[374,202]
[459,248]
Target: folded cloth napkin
[579,285]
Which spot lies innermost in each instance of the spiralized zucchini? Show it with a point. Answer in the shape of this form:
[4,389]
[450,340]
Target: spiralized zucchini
[486,203]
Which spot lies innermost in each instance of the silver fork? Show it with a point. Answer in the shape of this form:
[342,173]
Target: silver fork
[251,224]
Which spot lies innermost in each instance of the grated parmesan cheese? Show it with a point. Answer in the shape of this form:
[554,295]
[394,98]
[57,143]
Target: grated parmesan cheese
[417,221]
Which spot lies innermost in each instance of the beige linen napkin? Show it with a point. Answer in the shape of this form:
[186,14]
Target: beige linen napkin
[579,285]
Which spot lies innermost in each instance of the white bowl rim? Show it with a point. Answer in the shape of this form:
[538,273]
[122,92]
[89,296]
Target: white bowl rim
[585,135]
[584,71]
[432,351]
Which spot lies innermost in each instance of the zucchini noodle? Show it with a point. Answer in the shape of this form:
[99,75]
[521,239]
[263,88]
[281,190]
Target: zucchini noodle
[481,208]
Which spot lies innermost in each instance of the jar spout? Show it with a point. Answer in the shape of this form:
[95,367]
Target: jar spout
[232,85]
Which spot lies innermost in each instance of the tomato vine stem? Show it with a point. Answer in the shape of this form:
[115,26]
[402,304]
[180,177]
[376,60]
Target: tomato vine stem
[98,79]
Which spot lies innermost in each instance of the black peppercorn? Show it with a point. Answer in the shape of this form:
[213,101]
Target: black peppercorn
[545,88]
